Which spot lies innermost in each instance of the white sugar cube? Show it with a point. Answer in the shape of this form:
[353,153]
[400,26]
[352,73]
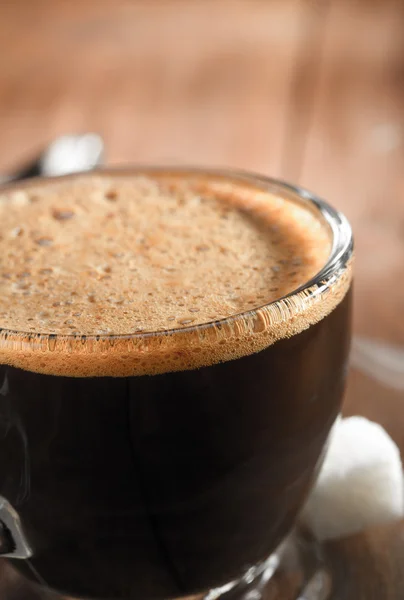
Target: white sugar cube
[360,483]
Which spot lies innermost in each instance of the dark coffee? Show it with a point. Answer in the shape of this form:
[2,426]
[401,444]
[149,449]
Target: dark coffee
[141,486]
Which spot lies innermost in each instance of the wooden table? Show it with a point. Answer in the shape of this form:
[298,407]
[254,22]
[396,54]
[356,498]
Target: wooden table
[307,90]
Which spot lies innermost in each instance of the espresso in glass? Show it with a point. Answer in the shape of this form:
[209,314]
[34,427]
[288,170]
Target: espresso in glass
[173,351]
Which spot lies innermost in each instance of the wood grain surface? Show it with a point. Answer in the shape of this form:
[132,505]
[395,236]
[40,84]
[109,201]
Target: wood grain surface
[307,90]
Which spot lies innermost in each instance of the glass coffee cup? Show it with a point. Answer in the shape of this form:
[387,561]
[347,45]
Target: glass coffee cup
[173,353]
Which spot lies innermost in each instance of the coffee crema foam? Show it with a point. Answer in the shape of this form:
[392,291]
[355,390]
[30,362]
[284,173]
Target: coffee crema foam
[119,273]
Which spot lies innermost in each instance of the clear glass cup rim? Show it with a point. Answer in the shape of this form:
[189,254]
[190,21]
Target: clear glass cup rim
[341,234]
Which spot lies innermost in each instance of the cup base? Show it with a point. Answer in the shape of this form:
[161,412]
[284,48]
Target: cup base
[293,572]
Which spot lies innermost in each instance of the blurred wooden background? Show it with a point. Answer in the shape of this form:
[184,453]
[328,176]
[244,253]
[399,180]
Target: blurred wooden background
[308,90]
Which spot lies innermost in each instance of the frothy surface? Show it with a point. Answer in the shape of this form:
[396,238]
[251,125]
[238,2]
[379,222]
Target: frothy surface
[123,254]
[97,255]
